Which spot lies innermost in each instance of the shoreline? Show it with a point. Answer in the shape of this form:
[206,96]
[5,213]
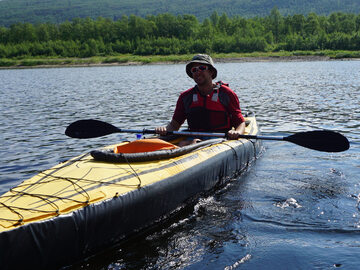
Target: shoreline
[245,59]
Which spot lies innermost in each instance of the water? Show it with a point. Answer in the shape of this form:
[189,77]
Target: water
[294,209]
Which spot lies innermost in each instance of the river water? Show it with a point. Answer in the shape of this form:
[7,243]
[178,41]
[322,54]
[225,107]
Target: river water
[294,209]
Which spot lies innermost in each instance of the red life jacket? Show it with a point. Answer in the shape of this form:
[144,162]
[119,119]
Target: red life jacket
[208,113]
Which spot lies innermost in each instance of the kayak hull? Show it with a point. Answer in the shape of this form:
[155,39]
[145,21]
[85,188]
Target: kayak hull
[66,238]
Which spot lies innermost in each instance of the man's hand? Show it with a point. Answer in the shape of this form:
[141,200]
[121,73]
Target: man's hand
[172,126]
[234,134]
[161,130]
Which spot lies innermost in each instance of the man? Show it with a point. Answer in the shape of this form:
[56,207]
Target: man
[208,106]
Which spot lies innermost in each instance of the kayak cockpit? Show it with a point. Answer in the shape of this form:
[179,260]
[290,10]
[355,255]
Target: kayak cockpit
[109,155]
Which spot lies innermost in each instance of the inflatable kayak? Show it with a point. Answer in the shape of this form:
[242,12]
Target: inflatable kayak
[92,202]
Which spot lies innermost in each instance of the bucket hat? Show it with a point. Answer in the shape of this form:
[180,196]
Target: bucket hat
[202,59]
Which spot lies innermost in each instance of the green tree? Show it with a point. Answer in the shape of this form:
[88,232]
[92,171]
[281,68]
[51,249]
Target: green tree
[339,41]
[66,30]
[206,30]
[42,33]
[357,23]
[275,23]
[122,46]
[140,28]
[188,25]
[240,26]
[91,29]
[78,30]
[214,18]
[355,41]
[121,29]
[16,33]
[312,25]
[297,23]
[3,35]
[3,51]
[348,25]
[166,25]
[224,23]
[103,29]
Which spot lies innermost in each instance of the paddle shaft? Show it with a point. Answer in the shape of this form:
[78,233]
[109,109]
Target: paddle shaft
[200,134]
[182,133]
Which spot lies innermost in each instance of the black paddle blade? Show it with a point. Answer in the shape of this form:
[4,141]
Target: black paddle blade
[84,129]
[321,140]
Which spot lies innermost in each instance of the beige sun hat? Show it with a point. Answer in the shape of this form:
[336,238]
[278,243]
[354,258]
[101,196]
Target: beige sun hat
[202,59]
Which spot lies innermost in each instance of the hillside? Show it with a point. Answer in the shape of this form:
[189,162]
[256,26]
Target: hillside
[57,11]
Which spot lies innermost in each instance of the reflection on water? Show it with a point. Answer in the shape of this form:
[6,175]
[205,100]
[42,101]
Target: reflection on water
[295,208]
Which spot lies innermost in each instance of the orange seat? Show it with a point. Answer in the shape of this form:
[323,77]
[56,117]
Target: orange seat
[144,145]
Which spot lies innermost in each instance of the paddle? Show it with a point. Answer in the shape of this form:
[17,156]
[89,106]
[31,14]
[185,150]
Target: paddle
[321,140]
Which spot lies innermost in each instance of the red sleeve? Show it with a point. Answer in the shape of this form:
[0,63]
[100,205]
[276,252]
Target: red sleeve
[179,113]
[234,109]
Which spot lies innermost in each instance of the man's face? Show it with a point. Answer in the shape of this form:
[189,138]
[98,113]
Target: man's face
[202,74]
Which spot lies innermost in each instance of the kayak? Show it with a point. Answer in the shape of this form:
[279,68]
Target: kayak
[89,203]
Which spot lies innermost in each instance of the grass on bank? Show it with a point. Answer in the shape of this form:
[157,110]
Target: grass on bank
[136,59]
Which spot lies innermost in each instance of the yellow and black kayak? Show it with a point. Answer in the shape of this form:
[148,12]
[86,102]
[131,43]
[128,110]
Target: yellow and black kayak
[93,201]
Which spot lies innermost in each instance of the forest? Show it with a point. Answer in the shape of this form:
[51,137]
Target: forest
[58,11]
[167,34]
